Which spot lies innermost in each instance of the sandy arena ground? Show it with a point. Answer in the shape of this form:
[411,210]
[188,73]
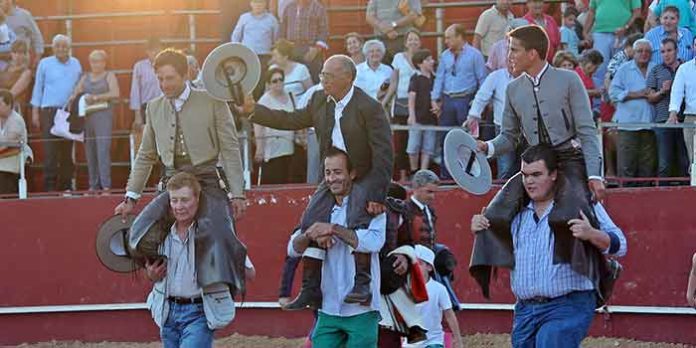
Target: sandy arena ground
[238,341]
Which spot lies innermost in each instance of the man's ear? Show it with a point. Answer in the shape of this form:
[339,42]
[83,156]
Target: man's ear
[353,174]
[554,175]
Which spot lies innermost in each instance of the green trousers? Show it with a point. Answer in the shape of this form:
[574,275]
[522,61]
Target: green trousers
[358,331]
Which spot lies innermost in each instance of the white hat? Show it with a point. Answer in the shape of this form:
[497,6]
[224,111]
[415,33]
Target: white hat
[425,254]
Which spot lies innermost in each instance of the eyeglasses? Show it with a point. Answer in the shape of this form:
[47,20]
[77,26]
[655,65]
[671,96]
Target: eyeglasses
[277,80]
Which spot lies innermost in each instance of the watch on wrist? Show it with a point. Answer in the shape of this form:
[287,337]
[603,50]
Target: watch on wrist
[129,200]
[393,24]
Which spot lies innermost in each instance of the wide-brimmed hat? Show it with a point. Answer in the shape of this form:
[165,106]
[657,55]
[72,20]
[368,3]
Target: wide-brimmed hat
[469,167]
[231,63]
[112,244]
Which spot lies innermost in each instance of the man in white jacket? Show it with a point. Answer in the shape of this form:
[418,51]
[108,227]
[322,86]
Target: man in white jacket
[186,313]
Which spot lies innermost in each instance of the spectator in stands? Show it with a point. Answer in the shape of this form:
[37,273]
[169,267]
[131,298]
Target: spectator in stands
[684,9]
[620,57]
[421,142]
[588,63]
[391,20]
[460,73]
[684,92]
[671,149]
[297,75]
[629,92]
[7,38]
[493,90]
[570,41]
[497,55]
[258,30]
[492,26]
[194,76]
[668,29]
[354,44]
[274,148]
[24,26]
[56,78]
[99,88]
[144,86]
[404,69]
[374,78]
[12,129]
[606,25]
[16,77]
[536,15]
[565,60]
[305,24]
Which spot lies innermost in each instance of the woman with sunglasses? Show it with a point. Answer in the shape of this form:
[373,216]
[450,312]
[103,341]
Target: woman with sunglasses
[274,148]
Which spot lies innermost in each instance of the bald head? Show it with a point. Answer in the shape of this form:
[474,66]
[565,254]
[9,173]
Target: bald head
[340,63]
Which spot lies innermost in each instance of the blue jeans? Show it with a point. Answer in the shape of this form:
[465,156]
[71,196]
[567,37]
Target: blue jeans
[560,322]
[604,43]
[186,327]
[454,113]
[671,153]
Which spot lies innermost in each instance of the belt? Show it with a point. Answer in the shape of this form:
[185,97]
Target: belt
[462,94]
[185,300]
[542,299]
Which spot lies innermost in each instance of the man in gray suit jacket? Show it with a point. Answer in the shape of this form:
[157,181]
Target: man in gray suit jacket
[548,106]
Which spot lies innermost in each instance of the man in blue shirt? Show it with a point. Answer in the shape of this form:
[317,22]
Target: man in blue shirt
[669,28]
[460,73]
[56,78]
[555,304]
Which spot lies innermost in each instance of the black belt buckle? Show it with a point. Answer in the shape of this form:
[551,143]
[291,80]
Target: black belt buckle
[185,300]
[538,300]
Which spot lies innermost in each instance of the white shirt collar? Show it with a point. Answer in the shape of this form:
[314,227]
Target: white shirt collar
[182,98]
[420,205]
[537,79]
[343,102]
[175,234]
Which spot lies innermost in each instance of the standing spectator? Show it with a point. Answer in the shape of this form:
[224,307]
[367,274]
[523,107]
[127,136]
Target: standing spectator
[459,75]
[684,9]
[274,147]
[565,60]
[16,77]
[668,29]
[589,61]
[536,15]
[7,38]
[404,69]
[671,149]
[569,38]
[620,57]
[493,90]
[305,24]
[691,285]
[297,76]
[376,79]
[629,92]
[98,87]
[194,77]
[684,92]
[354,44]
[56,77]
[144,86]
[421,142]
[24,26]
[390,23]
[492,26]
[497,58]
[606,25]
[258,30]
[12,129]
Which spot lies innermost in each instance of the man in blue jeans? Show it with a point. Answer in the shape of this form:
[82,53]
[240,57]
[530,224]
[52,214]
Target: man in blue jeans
[460,73]
[555,305]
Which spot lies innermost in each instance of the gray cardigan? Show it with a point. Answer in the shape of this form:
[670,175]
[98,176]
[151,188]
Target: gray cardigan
[565,108]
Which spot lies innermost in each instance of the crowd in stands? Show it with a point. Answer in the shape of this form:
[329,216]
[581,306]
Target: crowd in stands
[636,69]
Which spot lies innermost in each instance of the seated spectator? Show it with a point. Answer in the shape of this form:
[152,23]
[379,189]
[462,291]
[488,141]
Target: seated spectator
[274,147]
[56,78]
[7,38]
[305,24]
[636,144]
[144,86]
[671,149]
[683,92]
[194,76]
[24,26]
[589,61]
[354,44]
[376,79]
[491,26]
[570,41]
[497,58]
[16,77]
[391,23]
[12,130]
[565,60]
[258,30]
[297,76]
[668,29]
[536,15]
[421,142]
[684,9]
[99,88]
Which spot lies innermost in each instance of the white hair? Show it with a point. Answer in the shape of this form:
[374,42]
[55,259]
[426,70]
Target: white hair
[644,42]
[373,42]
[61,37]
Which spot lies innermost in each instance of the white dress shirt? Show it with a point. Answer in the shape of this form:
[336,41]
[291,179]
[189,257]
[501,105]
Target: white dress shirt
[336,134]
[492,89]
[684,88]
[182,98]
[424,208]
[370,80]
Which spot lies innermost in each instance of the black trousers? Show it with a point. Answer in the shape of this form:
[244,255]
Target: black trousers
[275,171]
[57,155]
[401,161]
[637,154]
[9,183]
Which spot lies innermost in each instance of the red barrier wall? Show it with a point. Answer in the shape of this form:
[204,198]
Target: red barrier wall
[48,259]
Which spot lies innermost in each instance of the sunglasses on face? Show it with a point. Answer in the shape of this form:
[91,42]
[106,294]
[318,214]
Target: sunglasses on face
[277,80]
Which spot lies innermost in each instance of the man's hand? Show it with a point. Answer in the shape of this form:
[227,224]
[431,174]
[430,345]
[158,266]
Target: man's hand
[35,118]
[138,123]
[392,34]
[319,230]
[479,222]
[411,120]
[239,206]
[691,300]
[667,85]
[384,27]
[457,342]
[435,107]
[326,242]
[124,208]
[597,188]
[374,208]
[156,271]
[672,119]
[311,54]
[258,157]
[482,146]
[400,264]
[582,229]
[249,104]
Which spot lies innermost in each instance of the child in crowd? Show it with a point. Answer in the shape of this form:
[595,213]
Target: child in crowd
[421,142]
[570,41]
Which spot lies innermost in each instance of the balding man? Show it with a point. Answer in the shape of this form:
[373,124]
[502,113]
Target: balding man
[344,117]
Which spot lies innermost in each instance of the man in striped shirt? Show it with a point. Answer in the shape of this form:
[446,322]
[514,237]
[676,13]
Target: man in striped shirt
[555,305]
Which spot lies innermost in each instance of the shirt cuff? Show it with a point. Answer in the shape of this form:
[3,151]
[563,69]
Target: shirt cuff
[322,44]
[614,244]
[491,149]
[133,195]
[595,177]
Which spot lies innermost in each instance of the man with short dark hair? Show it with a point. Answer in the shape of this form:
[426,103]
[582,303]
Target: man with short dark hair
[188,131]
[555,304]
